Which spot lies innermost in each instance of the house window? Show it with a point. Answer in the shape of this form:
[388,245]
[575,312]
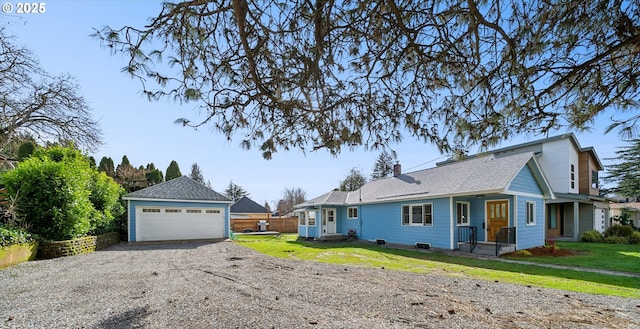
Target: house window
[312,218]
[553,217]
[573,176]
[462,213]
[302,218]
[352,212]
[174,211]
[150,210]
[417,214]
[594,179]
[194,211]
[213,211]
[531,213]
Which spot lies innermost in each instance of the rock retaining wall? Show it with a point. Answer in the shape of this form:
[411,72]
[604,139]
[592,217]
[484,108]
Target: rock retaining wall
[77,246]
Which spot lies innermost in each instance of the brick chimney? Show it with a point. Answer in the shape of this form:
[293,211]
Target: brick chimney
[397,170]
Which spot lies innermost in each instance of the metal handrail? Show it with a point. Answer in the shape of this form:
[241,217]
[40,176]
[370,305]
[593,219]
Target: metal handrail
[506,235]
[468,234]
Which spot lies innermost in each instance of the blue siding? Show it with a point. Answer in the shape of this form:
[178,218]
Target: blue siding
[529,236]
[384,221]
[525,182]
[345,223]
[136,203]
[310,231]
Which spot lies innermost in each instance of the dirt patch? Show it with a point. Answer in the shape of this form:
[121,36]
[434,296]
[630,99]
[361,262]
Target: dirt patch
[543,252]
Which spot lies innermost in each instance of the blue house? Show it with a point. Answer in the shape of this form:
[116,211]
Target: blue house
[178,209]
[475,200]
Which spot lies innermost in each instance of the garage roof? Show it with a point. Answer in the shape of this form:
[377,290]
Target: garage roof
[181,188]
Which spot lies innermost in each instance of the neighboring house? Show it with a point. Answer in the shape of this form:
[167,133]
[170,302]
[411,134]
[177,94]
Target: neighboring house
[633,208]
[438,206]
[246,208]
[178,209]
[247,214]
[573,173]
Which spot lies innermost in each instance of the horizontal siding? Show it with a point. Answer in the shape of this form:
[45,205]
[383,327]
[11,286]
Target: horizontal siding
[529,236]
[525,182]
[384,221]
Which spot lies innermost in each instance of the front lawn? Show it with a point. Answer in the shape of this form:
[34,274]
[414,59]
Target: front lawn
[613,257]
[374,256]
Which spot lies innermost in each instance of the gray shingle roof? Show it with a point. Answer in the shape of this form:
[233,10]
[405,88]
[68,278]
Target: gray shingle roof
[475,176]
[181,188]
[247,206]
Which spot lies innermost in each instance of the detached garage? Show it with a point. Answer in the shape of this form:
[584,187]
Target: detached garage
[179,209]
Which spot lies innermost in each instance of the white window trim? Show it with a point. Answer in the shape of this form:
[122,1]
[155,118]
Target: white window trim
[411,223]
[349,213]
[468,204]
[533,215]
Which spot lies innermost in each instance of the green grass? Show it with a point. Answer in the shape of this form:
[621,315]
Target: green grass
[374,256]
[614,257]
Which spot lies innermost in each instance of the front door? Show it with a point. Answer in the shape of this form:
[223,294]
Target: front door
[497,217]
[329,221]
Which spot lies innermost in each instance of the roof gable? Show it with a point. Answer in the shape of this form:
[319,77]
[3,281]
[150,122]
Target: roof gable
[181,188]
[247,206]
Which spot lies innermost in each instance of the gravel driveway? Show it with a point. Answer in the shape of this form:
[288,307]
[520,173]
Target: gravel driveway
[224,285]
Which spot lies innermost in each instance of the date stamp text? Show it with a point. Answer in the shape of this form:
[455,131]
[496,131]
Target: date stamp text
[23,7]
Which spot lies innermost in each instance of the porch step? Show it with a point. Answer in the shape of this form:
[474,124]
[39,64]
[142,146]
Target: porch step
[488,249]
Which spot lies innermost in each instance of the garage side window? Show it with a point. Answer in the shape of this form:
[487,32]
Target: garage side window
[150,210]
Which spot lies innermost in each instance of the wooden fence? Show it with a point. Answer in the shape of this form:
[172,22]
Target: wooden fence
[278,224]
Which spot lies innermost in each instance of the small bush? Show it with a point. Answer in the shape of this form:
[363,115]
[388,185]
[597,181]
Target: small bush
[634,238]
[523,253]
[616,239]
[591,236]
[12,235]
[619,230]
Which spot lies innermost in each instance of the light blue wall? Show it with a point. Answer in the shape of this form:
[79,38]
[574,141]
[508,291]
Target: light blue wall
[529,236]
[384,221]
[525,182]
[344,223]
[310,231]
[136,203]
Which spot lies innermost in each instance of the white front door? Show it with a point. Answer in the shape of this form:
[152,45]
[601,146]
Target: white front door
[329,221]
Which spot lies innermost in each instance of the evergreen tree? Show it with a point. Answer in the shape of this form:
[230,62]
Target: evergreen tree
[106,166]
[626,173]
[383,166]
[26,149]
[353,181]
[196,174]
[153,175]
[173,171]
[235,192]
[371,73]
[125,161]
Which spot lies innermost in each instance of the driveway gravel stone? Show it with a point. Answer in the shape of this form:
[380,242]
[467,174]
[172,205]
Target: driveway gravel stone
[224,285]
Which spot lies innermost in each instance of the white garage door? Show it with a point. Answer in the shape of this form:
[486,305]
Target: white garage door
[166,223]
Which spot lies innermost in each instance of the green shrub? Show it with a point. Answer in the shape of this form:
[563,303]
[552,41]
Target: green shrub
[634,238]
[619,230]
[61,197]
[616,239]
[13,235]
[105,197]
[591,236]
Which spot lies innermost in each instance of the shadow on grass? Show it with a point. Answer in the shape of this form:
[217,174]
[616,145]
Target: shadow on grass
[438,256]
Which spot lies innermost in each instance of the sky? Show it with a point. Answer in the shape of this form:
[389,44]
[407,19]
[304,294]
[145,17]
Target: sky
[144,131]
